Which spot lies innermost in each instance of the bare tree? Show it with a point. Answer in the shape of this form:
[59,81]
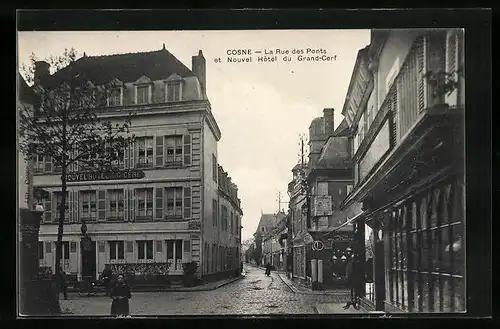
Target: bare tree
[66,125]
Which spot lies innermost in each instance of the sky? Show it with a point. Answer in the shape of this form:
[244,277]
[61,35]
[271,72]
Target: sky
[262,108]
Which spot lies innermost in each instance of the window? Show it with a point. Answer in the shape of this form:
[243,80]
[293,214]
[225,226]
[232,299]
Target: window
[173,146]
[144,250]
[142,94]
[144,199]
[214,167]
[173,91]
[42,164]
[40,250]
[115,97]
[232,223]
[89,205]
[349,189]
[144,152]
[426,258]
[58,200]
[322,188]
[214,212]
[116,250]
[48,247]
[224,218]
[174,254]
[115,205]
[174,202]
[119,162]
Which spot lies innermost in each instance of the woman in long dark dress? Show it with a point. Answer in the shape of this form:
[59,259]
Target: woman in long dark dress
[120,294]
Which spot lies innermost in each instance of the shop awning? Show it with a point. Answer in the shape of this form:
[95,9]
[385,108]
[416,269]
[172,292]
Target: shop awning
[349,221]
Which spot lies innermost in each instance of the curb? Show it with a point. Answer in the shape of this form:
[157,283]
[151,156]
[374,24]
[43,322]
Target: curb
[297,291]
[179,289]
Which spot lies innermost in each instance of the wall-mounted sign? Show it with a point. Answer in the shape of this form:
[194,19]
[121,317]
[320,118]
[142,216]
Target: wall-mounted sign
[378,148]
[104,175]
[318,245]
[323,205]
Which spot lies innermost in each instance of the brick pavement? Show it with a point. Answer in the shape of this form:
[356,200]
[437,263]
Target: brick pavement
[253,295]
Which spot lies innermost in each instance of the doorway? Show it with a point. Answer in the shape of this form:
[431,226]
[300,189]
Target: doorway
[89,264]
[379,274]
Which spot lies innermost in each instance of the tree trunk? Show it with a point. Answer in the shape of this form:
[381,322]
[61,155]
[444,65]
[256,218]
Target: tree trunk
[60,228]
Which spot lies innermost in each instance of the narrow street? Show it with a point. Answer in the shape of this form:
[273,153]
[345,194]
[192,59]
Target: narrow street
[254,294]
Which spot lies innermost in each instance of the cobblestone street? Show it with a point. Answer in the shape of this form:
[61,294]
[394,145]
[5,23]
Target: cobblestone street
[254,294]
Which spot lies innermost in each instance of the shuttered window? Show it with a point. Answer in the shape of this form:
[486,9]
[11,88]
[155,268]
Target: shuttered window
[88,205]
[174,202]
[159,151]
[159,203]
[102,204]
[187,149]
[187,202]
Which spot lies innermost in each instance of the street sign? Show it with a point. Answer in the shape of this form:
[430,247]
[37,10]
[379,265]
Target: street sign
[318,245]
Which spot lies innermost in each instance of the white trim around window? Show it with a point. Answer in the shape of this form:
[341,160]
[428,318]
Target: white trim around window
[177,92]
[136,94]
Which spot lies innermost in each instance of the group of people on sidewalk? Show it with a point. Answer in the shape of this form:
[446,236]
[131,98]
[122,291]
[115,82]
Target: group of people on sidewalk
[117,290]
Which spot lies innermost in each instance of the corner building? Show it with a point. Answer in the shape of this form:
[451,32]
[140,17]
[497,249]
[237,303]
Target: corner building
[158,213]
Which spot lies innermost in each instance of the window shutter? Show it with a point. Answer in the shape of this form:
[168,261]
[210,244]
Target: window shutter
[159,151]
[47,216]
[187,149]
[131,155]
[48,164]
[422,70]
[131,203]
[125,205]
[126,156]
[76,207]
[70,205]
[102,204]
[187,245]
[159,203]
[187,202]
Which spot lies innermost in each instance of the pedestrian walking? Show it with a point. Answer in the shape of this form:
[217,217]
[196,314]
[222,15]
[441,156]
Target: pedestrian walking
[268,269]
[353,273]
[120,294]
[62,281]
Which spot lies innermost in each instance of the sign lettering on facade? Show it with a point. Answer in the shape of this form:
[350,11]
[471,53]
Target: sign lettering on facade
[376,151]
[323,205]
[104,175]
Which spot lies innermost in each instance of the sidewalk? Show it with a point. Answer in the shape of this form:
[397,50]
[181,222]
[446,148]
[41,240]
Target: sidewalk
[336,308]
[204,287]
[298,288]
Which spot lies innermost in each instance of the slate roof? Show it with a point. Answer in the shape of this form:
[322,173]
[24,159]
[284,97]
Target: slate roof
[330,158]
[128,67]
[269,221]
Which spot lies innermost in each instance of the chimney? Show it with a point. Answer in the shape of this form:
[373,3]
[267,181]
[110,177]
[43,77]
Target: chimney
[199,69]
[42,71]
[328,119]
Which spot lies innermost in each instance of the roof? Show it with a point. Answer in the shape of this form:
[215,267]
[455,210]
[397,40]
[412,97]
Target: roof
[125,67]
[342,129]
[335,154]
[269,221]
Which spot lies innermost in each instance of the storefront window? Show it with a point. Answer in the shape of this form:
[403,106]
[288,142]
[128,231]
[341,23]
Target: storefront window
[426,254]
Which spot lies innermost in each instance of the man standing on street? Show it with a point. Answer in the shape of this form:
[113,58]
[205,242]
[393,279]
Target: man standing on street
[62,283]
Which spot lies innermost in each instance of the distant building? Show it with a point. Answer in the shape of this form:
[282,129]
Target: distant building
[171,215]
[267,223]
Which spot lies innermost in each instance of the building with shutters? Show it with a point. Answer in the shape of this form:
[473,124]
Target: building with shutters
[157,211]
[409,167]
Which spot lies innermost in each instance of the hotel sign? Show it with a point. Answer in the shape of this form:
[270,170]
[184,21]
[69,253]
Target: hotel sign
[104,175]
[378,148]
[323,205]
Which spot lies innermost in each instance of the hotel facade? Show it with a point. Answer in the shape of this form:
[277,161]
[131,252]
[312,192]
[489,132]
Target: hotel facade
[170,202]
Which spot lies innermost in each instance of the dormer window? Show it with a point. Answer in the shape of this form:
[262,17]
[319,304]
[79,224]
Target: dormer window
[173,88]
[143,94]
[115,96]
[143,90]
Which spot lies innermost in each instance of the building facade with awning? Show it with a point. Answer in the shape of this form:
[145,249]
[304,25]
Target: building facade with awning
[408,166]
